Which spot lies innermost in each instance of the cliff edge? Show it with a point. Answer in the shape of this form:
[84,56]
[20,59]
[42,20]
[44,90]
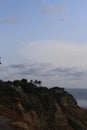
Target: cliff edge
[32,107]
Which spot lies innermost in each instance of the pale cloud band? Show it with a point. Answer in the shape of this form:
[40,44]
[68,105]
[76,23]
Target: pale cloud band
[55,63]
[49,75]
[55,52]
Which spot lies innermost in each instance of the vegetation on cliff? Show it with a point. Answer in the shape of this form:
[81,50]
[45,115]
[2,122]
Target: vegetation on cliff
[33,107]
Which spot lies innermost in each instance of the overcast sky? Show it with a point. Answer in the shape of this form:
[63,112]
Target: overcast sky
[44,40]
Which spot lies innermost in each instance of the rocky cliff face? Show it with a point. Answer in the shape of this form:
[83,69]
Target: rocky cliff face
[40,108]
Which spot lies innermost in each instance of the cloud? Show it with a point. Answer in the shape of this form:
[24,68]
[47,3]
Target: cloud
[55,21]
[74,26]
[55,63]
[19,71]
[62,19]
[56,52]
[54,9]
[11,20]
[49,75]
[37,69]
[17,66]
[70,73]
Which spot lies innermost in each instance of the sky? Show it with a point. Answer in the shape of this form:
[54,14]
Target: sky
[44,40]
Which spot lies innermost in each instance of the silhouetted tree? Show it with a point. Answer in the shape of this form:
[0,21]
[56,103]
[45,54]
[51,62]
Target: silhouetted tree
[37,82]
[24,84]
[16,83]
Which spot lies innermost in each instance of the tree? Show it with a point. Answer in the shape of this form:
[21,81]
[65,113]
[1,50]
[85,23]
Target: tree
[37,83]
[24,84]
[16,83]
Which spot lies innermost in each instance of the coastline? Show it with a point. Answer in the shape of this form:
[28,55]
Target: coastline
[80,96]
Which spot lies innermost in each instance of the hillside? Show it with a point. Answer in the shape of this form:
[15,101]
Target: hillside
[32,107]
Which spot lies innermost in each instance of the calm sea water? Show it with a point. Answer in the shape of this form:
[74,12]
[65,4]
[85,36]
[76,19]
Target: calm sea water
[80,95]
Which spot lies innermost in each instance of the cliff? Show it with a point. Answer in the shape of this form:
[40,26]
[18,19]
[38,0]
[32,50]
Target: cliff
[38,108]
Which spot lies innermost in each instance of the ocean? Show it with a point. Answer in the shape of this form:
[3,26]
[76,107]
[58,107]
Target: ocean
[80,96]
